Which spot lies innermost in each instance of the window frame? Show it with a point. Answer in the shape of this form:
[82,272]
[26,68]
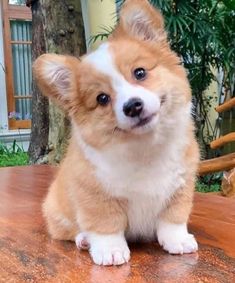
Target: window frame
[12,12]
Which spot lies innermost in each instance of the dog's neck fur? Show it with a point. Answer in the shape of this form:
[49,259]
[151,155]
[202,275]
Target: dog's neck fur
[124,169]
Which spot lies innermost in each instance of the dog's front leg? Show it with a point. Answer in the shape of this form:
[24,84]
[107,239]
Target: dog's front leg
[102,229]
[105,249]
[172,229]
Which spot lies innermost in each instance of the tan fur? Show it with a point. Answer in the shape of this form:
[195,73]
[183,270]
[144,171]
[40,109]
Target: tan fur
[179,207]
[76,194]
[76,200]
[132,7]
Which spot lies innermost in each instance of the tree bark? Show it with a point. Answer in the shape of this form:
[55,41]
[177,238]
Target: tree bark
[64,34]
[38,147]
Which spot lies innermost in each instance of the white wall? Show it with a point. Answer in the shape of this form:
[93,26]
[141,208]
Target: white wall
[21,137]
[3,99]
[98,14]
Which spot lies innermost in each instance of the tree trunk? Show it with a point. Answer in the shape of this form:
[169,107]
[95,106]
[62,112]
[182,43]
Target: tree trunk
[38,147]
[64,33]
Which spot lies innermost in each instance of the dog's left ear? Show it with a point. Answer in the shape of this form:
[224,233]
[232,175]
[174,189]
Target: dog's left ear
[55,76]
[139,19]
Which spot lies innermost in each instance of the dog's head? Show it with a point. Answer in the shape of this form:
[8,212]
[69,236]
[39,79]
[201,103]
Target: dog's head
[131,85]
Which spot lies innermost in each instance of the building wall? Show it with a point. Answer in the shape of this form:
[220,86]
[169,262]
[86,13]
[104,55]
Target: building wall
[3,99]
[21,137]
[98,14]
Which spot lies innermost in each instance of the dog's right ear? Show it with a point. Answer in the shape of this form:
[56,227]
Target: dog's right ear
[56,77]
[139,19]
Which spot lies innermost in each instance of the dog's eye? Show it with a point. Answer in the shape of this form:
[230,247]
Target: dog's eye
[103,99]
[140,74]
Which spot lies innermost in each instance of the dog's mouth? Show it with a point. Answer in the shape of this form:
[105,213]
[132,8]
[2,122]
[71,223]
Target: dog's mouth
[143,121]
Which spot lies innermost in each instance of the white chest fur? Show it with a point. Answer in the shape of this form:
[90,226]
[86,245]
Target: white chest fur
[138,168]
[145,173]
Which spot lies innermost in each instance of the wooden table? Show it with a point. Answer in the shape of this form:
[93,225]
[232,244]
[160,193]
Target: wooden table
[27,254]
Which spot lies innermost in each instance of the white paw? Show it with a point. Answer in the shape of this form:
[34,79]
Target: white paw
[175,239]
[81,241]
[184,245]
[108,249]
[112,256]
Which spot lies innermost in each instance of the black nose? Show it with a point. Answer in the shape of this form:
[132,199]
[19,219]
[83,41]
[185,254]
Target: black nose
[133,107]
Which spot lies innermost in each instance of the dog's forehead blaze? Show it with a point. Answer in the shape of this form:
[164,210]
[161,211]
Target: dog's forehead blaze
[117,65]
[118,58]
[102,61]
[111,58]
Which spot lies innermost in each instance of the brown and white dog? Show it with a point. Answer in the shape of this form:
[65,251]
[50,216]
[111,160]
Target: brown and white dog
[130,167]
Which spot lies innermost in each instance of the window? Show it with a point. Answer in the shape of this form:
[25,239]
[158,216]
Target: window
[22,75]
[17,42]
[17,2]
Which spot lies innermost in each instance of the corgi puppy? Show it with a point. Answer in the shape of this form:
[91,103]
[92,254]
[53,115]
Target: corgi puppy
[131,163]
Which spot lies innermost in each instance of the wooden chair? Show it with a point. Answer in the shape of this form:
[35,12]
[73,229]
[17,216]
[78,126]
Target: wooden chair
[227,161]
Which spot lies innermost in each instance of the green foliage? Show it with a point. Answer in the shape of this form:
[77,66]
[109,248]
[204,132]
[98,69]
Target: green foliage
[13,155]
[204,188]
[209,183]
[104,33]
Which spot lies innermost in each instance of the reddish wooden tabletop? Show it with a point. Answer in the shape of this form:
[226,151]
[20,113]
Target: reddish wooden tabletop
[27,254]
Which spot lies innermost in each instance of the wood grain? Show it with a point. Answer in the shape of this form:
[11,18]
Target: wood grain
[227,105]
[27,254]
[19,124]
[217,164]
[221,141]
[19,12]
